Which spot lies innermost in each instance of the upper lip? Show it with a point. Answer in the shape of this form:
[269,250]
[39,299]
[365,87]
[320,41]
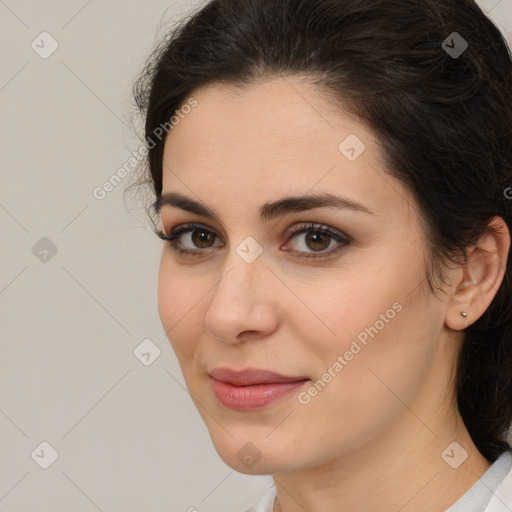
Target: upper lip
[251,376]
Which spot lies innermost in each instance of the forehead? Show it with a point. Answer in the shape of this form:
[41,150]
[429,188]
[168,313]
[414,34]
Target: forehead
[274,135]
[268,110]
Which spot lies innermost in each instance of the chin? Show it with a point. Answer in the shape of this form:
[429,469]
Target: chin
[247,454]
[258,465]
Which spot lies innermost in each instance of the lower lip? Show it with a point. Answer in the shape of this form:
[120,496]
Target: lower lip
[249,398]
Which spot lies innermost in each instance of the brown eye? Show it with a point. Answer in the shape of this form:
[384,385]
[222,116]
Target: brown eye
[202,238]
[191,239]
[312,241]
[317,241]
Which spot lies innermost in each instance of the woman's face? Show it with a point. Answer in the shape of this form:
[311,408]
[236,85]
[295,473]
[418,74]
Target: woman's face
[343,304]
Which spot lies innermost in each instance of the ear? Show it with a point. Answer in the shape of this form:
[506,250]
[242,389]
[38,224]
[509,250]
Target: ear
[477,283]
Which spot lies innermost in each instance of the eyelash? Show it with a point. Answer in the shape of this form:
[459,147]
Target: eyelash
[172,240]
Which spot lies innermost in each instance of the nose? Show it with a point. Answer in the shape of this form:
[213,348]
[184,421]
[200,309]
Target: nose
[242,306]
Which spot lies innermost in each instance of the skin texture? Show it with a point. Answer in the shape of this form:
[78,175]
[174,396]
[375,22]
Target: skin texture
[372,438]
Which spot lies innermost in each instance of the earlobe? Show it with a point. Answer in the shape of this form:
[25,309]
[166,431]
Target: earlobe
[481,277]
[464,315]
[459,309]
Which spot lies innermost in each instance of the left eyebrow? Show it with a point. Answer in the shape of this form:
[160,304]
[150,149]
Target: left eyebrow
[267,211]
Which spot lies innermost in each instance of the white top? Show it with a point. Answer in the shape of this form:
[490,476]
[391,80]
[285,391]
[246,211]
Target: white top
[491,493]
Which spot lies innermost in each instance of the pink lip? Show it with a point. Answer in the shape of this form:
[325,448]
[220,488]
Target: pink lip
[252,388]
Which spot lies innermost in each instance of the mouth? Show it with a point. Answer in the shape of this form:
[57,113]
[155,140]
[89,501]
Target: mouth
[252,388]
[252,376]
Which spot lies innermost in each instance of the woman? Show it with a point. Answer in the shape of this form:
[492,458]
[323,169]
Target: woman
[334,190]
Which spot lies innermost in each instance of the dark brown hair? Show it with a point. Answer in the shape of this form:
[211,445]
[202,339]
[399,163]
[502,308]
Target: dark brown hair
[444,122]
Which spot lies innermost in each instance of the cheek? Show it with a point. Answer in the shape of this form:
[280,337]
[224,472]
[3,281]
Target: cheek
[371,320]
[383,349]
[377,294]
[179,311]
[168,284]
[346,306]
[361,388]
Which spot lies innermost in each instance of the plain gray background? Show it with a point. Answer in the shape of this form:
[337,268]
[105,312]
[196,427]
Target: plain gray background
[78,278]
